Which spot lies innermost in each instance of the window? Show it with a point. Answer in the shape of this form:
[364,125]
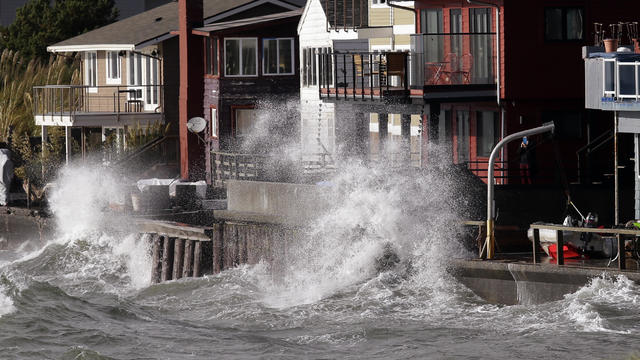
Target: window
[135,68]
[378,3]
[324,65]
[91,71]
[245,119]
[462,135]
[214,122]
[431,22]
[277,55]
[211,56]
[563,24]
[309,69]
[113,68]
[241,57]
[488,131]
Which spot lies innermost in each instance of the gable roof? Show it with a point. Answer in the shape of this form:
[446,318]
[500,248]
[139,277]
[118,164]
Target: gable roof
[151,27]
[255,21]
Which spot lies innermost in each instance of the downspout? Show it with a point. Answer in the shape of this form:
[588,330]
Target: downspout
[498,77]
[415,13]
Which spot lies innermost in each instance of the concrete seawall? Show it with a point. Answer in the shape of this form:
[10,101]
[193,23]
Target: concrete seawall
[18,225]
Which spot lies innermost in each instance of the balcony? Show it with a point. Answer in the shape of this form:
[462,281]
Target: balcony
[612,81]
[78,105]
[448,66]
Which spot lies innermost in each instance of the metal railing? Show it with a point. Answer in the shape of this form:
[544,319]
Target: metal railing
[453,59]
[262,167]
[64,100]
[363,75]
[510,172]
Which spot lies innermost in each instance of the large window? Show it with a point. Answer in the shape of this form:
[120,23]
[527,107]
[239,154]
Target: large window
[563,24]
[245,119]
[91,71]
[211,56]
[488,131]
[462,135]
[241,57]
[277,56]
[113,68]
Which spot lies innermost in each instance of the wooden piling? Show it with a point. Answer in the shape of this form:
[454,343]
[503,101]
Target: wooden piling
[155,256]
[167,258]
[217,247]
[197,258]
[622,257]
[188,258]
[178,258]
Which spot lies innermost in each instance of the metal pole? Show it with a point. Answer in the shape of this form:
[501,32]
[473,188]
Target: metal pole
[490,168]
[615,168]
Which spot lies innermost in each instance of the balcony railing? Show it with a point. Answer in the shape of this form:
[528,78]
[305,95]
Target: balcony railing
[66,100]
[453,59]
[363,75]
[434,60]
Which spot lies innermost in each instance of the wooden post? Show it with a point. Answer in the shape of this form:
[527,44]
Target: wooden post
[155,259]
[621,253]
[536,245]
[178,257]
[197,256]
[217,247]
[560,249]
[188,258]
[167,258]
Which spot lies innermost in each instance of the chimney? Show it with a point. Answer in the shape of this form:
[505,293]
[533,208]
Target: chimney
[192,150]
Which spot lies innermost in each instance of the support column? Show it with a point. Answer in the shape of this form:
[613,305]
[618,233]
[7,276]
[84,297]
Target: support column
[44,133]
[167,259]
[188,258]
[405,131]
[217,247]
[155,256]
[197,257]
[67,143]
[362,134]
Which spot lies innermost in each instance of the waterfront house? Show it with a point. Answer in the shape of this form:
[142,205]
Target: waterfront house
[477,71]
[130,73]
[330,27]
[250,67]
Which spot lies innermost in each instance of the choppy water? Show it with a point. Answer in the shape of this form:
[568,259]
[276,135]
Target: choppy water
[86,295]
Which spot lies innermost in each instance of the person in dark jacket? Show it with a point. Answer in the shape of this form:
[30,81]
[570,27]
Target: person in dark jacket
[525,161]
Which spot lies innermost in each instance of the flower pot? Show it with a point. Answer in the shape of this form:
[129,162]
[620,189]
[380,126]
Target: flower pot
[610,45]
[636,46]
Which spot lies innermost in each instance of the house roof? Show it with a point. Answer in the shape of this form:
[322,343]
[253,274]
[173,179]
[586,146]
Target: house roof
[148,28]
[247,22]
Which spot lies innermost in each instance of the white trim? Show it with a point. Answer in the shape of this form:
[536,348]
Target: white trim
[407,29]
[293,61]
[240,65]
[109,80]
[247,7]
[92,88]
[91,47]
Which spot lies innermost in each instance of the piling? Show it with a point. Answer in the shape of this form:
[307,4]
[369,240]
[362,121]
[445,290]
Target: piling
[178,257]
[167,258]
[217,247]
[155,256]
[197,258]
[188,258]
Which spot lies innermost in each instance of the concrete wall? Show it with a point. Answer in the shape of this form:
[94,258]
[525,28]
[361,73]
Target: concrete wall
[513,283]
[287,201]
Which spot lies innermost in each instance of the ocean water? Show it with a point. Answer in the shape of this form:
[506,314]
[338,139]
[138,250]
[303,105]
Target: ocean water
[86,294]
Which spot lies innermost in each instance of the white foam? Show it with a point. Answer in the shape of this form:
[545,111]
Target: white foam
[6,304]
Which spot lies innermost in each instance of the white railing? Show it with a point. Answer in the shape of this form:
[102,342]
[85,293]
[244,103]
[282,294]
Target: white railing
[620,80]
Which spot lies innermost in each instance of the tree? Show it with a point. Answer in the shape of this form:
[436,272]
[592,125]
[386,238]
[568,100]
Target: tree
[39,24]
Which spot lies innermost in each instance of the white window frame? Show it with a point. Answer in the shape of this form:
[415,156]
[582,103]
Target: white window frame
[605,92]
[213,113]
[264,59]
[88,61]
[108,62]
[240,66]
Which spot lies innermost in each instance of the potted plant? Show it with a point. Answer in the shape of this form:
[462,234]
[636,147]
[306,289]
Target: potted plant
[611,43]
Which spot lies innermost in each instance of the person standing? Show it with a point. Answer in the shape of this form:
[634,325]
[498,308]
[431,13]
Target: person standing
[525,161]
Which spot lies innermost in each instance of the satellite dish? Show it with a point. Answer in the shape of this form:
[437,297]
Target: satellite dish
[196,124]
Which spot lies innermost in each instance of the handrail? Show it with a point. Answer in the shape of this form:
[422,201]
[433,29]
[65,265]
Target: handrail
[144,148]
[596,144]
[560,240]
